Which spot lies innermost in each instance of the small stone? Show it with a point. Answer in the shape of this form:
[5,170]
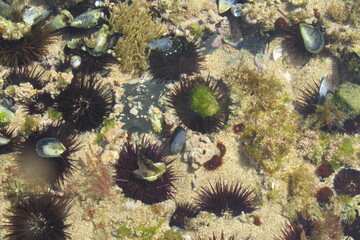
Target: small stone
[134,111]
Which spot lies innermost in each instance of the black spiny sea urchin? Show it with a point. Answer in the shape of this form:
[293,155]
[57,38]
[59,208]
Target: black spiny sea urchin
[38,217]
[223,197]
[172,56]
[291,231]
[31,47]
[38,103]
[85,103]
[31,75]
[202,105]
[182,212]
[144,172]
[54,169]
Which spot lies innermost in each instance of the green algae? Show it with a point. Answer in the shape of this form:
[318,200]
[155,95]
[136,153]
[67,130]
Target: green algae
[203,102]
[348,98]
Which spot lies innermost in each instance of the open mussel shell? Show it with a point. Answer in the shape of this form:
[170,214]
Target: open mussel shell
[225,5]
[49,147]
[326,87]
[313,38]
[149,170]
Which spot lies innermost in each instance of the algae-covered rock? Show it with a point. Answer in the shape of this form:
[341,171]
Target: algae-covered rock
[348,96]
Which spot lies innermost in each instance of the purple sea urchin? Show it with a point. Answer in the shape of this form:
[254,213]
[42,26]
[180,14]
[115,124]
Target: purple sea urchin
[182,212]
[347,181]
[25,74]
[172,56]
[144,172]
[40,217]
[202,105]
[54,169]
[223,197]
[85,103]
[31,47]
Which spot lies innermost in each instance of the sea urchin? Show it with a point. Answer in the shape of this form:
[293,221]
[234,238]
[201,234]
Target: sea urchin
[45,153]
[172,56]
[347,181]
[223,197]
[85,103]
[202,105]
[144,173]
[40,217]
[182,212]
[24,51]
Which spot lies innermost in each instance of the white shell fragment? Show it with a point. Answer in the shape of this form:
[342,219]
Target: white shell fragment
[75,61]
[225,5]
[49,147]
[326,87]
[236,10]
[313,38]
[277,52]
[3,140]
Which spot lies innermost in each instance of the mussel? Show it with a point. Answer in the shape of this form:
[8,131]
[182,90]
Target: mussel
[177,140]
[149,170]
[313,38]
[326,87]
[50,147]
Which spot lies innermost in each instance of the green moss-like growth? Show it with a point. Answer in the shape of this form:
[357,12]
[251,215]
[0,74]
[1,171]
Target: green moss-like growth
[14,191]
[196,29]
[53,114]
[346,153]
[147,233]
[171,235]
[203,102]
[5,115]
[136,23]
[348,98]
[123,232]
[107,125]
[271,128]
[30,124]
